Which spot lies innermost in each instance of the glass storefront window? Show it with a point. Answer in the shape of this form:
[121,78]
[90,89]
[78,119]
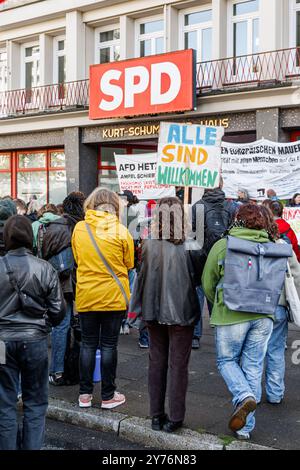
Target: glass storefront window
[57,159]
[32,160]
[107,155]
[109,179]
[4,162]
[32,184]
[57,186]
[5,184]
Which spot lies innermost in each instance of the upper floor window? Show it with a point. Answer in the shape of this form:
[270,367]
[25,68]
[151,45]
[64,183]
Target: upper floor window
[59,60]
[245,17]
[150,36]
[3,70]
[295,25]
[107,45]
[31,66]
[196,32]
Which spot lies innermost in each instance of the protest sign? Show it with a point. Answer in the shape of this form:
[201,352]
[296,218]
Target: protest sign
[292,216]
[137,172]
[260,166]
[189,155]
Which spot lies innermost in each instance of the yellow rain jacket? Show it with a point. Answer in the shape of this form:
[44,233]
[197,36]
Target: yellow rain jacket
[96,289]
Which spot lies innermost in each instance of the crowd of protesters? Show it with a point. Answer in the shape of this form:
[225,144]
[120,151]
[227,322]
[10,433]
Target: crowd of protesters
[88,255]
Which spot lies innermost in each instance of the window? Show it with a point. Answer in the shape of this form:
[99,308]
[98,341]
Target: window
[245,17]
[196,32]
[107,168]
[43,174]
[31,68]
[59,60]
[5,174]
[107,45]
[150,37]
[3,70]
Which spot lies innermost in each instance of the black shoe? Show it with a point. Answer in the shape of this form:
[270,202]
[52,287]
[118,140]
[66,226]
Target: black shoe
[158,422]
[196,343]
[56,379]
[171,426]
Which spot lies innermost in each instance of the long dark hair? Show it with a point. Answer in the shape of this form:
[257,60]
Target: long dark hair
[169,221]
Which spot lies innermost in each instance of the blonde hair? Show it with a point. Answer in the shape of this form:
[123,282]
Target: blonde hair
[103,199]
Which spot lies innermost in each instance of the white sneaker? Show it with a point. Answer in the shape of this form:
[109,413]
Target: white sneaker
[126,330]
[117,400]
[85,401]
[121,331]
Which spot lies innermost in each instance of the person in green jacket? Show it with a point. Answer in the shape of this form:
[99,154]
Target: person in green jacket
[241,337]
[46,214]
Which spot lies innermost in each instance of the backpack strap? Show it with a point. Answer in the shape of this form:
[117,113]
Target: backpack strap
[107,265]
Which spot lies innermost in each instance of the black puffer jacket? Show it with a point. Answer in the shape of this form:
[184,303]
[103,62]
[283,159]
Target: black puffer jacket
[34,276]
[166,285]
[57,236]
[2,248]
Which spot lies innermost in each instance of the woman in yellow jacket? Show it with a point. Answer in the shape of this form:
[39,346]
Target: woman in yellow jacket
[99,299]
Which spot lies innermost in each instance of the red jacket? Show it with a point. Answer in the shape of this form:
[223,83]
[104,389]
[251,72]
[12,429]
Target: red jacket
[285,228]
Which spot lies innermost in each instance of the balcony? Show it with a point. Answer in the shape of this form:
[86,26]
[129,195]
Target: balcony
[262,70]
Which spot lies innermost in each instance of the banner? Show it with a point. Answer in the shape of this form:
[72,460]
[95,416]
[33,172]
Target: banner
[260,166]
[136,173]
[189,155]
[292,216]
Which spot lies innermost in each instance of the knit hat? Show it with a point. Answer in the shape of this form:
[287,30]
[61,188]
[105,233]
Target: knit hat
[18,233]
[7,209]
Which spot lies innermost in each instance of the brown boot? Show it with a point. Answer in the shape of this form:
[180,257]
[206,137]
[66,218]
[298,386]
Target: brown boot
[239,416]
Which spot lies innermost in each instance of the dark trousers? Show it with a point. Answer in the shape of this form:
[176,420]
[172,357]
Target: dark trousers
[30,359]
[170,350]
[99,329]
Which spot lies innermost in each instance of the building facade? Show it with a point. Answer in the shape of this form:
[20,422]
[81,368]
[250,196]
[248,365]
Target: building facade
[248,80]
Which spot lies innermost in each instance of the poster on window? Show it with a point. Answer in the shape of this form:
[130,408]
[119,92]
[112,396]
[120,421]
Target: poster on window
[189,155]
[137,172]
[260,166]
[292,216]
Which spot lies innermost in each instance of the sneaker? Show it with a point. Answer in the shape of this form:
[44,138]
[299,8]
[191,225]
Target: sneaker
[117,400]
[121,330]
[239,416]
[275,402]
[196,343]
[143,344]
[56,379]
[85,401]
[126,329]
[243,436]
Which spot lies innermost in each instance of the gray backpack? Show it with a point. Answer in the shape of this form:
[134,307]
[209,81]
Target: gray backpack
[254,275]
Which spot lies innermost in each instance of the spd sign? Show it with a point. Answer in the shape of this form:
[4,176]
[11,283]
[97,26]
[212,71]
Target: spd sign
[148,85]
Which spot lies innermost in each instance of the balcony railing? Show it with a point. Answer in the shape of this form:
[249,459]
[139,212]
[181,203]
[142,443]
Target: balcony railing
[263,69]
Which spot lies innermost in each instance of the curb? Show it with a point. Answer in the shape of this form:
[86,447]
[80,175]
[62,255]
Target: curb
[139,430]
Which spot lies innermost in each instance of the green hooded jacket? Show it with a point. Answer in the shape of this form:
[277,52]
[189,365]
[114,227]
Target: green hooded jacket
[214,272]
[47,217]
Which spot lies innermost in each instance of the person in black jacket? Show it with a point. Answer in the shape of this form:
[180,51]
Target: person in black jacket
[166,296]
[23,335]
[7,209]
[56,238]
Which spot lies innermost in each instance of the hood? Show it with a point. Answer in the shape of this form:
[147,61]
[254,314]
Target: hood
[18,233]
[258,236]
[216,196]
[7,209]
[100,220]
[48,217]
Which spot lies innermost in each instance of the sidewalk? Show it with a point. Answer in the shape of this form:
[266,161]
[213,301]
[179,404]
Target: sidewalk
[208,401]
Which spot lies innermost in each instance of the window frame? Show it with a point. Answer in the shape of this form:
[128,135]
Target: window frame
[4,69]
[294,9]
[249,17]
[8,170]
[149,36]
[56,55]
[108,44]
[25,60]
[199,27]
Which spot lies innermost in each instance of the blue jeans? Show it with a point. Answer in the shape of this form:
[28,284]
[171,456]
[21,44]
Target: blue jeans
[241,350]
[59,337]
[275,358]
[99,328]
[31,360]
